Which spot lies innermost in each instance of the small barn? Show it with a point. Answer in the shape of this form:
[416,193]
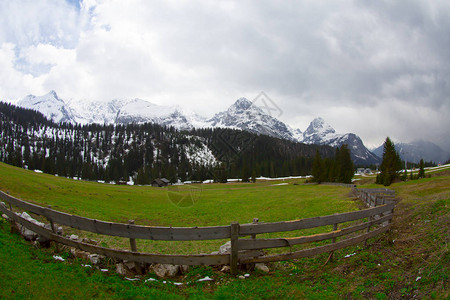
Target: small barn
[160,182]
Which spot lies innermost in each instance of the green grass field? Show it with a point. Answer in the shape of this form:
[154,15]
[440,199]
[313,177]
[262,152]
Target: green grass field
[213,204]
[410,261]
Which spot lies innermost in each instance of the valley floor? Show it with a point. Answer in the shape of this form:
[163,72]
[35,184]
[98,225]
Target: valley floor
[410,261]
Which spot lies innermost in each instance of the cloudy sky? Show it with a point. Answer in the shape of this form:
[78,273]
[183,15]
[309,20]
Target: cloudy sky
[374,68]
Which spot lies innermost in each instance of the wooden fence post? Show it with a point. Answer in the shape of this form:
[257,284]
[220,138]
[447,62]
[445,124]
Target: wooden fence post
[13,224]
[234,248]
[335,227]
[132,241]
[53,229]
[255,221]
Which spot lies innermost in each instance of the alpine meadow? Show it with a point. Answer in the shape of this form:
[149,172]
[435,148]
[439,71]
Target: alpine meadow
[224,149]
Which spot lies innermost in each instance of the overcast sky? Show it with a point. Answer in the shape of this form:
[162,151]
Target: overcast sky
[374,68]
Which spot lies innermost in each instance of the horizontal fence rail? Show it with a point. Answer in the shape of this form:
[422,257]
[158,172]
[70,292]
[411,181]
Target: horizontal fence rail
[247,229]
[121,229]
[245,247]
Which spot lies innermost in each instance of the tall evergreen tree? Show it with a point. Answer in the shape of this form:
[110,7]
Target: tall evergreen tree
[318,171]
[421,169]
[390,164]
[346,169]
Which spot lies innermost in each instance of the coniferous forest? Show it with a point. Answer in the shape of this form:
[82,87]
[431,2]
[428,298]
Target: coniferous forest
[339,168]
[147,151]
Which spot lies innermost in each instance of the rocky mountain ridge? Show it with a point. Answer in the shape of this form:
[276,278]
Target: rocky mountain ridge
[243,115]
[417,150]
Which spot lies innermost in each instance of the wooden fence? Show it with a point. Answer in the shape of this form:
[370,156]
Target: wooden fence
[245,247]
[374,197]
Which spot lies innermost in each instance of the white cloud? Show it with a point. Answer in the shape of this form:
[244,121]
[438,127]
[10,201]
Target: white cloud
[340,60]
[12,80]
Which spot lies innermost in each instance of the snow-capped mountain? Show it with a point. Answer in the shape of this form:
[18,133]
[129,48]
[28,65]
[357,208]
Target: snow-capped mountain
[117,111]
[417,150]
[96,112]
[321,133]
[243,114]
[129,111]
[50,105]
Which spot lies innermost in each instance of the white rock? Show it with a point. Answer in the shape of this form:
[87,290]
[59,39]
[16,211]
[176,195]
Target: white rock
[241,277]
[225,269]
[120,269]
[94,258]
[166,270]
[74,237]
[262,267]
[28,234]
[184,269]
[225,248]
[130,264]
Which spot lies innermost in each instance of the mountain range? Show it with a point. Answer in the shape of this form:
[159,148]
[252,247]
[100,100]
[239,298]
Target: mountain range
[243,115]
[417,150]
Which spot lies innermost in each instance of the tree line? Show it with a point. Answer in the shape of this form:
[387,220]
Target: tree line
[338,168]
[147,151]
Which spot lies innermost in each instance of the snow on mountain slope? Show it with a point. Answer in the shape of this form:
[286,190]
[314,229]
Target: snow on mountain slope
[140,111]
[117,111]
[50,105]
[87,112]
[244,115]
[321,133]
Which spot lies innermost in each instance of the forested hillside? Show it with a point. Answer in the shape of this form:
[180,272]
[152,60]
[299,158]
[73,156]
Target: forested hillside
[146,151]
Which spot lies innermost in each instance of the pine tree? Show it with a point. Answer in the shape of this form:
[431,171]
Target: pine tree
[318,171]
[346,170]
[390,165]
[421,169]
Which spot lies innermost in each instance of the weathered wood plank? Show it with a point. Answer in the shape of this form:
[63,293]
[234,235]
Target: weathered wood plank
[247,244]
[249,229]
[318,250]
[124,230]
[200,259]
[39,210]
[377,190]
[234,236]
[133,245]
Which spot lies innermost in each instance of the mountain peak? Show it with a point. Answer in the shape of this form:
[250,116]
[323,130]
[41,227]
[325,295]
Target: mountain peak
[50,105]
[320,127]
[241,104]
[53,94]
